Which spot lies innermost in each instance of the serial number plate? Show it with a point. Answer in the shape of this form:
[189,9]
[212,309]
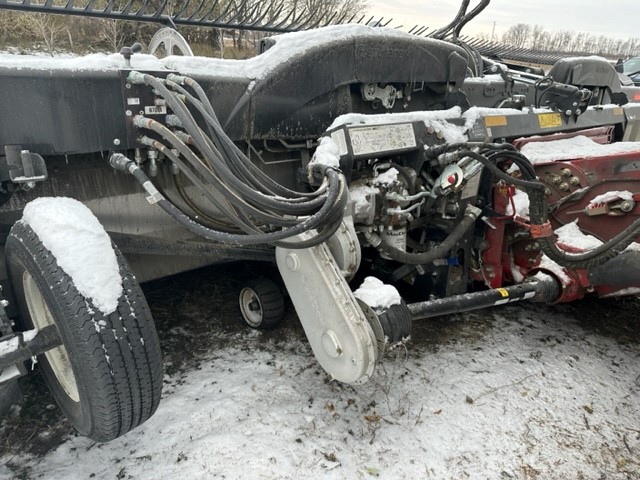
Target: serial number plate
[382,138]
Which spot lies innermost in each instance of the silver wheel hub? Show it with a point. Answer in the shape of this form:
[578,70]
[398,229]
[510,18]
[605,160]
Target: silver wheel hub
[250,307]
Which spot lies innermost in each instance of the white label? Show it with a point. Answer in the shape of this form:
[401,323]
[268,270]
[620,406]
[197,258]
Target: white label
[133,101]
[155,110]
[340,140]
[382,138]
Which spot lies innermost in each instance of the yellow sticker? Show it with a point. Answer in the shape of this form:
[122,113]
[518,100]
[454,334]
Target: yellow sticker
[549,120]
[496,121]
[503,292]
[618,111]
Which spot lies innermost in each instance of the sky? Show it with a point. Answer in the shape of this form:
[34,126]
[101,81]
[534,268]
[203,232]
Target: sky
[553,15]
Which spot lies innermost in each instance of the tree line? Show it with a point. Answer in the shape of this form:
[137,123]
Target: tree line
[46,32]
[535,37]
[51,33]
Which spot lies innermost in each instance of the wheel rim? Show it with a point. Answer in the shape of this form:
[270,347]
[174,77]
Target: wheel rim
[250,307]
[58,357]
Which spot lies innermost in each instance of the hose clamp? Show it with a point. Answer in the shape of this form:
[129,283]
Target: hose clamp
[541,231]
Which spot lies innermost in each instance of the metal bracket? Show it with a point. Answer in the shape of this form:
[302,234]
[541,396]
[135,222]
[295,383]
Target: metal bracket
[22,167]
[339,333]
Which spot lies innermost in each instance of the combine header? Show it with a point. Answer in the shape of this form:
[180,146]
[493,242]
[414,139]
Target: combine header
[363,161]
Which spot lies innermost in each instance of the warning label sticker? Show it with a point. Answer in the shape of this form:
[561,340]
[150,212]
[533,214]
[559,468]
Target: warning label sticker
[549,120]
[382,138]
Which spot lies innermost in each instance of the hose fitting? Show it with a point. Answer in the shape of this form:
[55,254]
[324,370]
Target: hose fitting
[136,78]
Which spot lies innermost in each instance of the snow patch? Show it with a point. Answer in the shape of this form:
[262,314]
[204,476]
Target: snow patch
[327,153]
[286,48]
[611,197]
[547,264]
[81,247]
[99,62]
[521,204]
[576,147]
[571,235]
[387,178]
[360,196]
[377,295]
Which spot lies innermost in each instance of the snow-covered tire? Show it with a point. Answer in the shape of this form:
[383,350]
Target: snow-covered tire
[261,304]
[107,376]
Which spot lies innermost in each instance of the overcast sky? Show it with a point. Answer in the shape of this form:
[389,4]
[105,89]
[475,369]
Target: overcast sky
[615,18]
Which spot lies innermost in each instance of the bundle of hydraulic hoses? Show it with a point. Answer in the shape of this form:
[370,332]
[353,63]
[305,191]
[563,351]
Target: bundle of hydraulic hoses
[251,207]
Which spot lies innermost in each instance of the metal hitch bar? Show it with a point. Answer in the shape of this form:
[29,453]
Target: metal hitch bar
[541,288]
[15,350]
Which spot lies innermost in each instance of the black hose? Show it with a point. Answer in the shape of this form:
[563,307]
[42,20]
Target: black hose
[468,221]
[256,197]
[336,195]
[538,209]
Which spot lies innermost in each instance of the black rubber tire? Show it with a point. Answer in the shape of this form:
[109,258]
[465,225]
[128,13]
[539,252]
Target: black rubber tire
[396,322]
[270,303]
[115,359]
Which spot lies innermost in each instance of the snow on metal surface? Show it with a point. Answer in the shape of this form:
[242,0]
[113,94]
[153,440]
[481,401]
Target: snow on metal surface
[287,47]
[521,203]
[80,245]
[576,147]
[571,235]
[611,196]
[327,153]
[379,296]
[387,178]
[94,62]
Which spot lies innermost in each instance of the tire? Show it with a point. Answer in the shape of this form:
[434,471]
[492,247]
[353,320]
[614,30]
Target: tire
[107,375]
[261,304]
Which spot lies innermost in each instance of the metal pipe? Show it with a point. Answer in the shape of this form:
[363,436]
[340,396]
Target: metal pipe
[46,339]
[540,288]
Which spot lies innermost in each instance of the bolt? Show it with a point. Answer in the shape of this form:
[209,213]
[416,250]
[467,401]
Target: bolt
[292,262]
[128,113]
[627,206]
[568,113]
[565,172]
[116,141]
[127,85]
[575,181]
[563,186]
[331,344]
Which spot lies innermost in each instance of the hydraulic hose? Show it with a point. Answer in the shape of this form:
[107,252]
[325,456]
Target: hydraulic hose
[469,218]
[336,195]
[538,213]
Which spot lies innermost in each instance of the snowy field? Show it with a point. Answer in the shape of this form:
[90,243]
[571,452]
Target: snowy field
[523,392]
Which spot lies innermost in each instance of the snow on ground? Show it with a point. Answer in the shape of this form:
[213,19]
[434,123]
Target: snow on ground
[523,392]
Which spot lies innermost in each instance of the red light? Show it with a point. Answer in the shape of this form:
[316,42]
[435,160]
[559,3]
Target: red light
[451,179]
[636,96]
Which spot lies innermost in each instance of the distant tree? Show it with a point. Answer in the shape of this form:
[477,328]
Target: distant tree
[517,35]
[50,28]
